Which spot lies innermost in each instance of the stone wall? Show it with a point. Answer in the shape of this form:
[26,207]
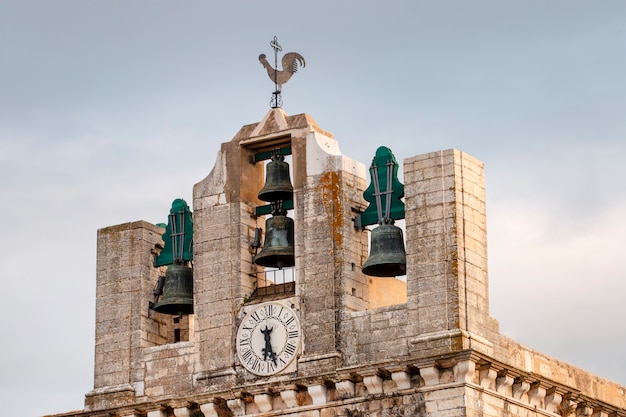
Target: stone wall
[124,324]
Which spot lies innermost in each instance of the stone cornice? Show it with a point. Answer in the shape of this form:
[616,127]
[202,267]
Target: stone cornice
[465,369]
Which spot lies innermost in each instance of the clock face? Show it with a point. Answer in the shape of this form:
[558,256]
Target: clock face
[268,338]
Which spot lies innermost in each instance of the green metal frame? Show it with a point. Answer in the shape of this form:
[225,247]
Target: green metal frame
[179,219]
[383,161]
[262,156]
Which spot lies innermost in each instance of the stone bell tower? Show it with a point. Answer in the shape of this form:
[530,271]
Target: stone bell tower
[320,338]
[327,189]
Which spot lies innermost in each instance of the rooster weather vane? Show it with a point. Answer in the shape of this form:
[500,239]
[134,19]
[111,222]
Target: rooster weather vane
[290,62]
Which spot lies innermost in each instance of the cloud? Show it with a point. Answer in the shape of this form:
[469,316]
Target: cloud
[560,293]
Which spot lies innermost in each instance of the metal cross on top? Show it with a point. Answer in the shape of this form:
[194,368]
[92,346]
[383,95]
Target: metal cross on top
[290,63]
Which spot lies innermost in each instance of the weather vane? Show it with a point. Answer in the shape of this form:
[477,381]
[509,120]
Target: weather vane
[290,62]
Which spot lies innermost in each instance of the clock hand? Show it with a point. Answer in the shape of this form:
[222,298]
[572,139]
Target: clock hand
[267,350]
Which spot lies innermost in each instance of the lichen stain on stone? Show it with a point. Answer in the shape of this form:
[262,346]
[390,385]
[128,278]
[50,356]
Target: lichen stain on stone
[329,187]
[456,343]
[454,266]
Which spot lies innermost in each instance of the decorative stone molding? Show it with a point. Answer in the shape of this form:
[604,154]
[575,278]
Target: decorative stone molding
[220,373]
[111,389]
[355,385]
[530,390]
[473,337]
[435,336]
[312,358]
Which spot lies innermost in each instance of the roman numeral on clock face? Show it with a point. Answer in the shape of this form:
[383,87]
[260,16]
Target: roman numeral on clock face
[246,355]
[290,349]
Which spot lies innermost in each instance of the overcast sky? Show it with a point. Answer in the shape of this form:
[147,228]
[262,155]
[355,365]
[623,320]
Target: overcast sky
[109,110]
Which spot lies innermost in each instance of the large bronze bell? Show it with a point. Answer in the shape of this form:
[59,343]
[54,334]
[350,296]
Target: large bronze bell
[177,298]
[277,181]
[277,248]
[387,256]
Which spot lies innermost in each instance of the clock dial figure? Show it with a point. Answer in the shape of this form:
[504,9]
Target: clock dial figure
[268,338]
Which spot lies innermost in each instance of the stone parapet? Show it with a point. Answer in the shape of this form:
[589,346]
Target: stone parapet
[124,325]
[447,243]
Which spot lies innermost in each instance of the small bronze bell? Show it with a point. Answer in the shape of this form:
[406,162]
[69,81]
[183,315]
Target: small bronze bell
[277,248]
[177,298]
[387,255]
[277,181]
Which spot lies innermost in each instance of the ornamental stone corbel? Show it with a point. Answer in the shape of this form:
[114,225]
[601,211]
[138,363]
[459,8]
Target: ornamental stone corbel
[583,410]
[208,409]
[598,412]
[156,413]
[263,402]
[520,387]
[464,371]
[290,396]
[430,375]
[317,393]
[552,400]
[402,379]
[536,395]
[237,406]
[487,376]
[345,388]
[181,412]
[504,384]
[567,405]
[373,383]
